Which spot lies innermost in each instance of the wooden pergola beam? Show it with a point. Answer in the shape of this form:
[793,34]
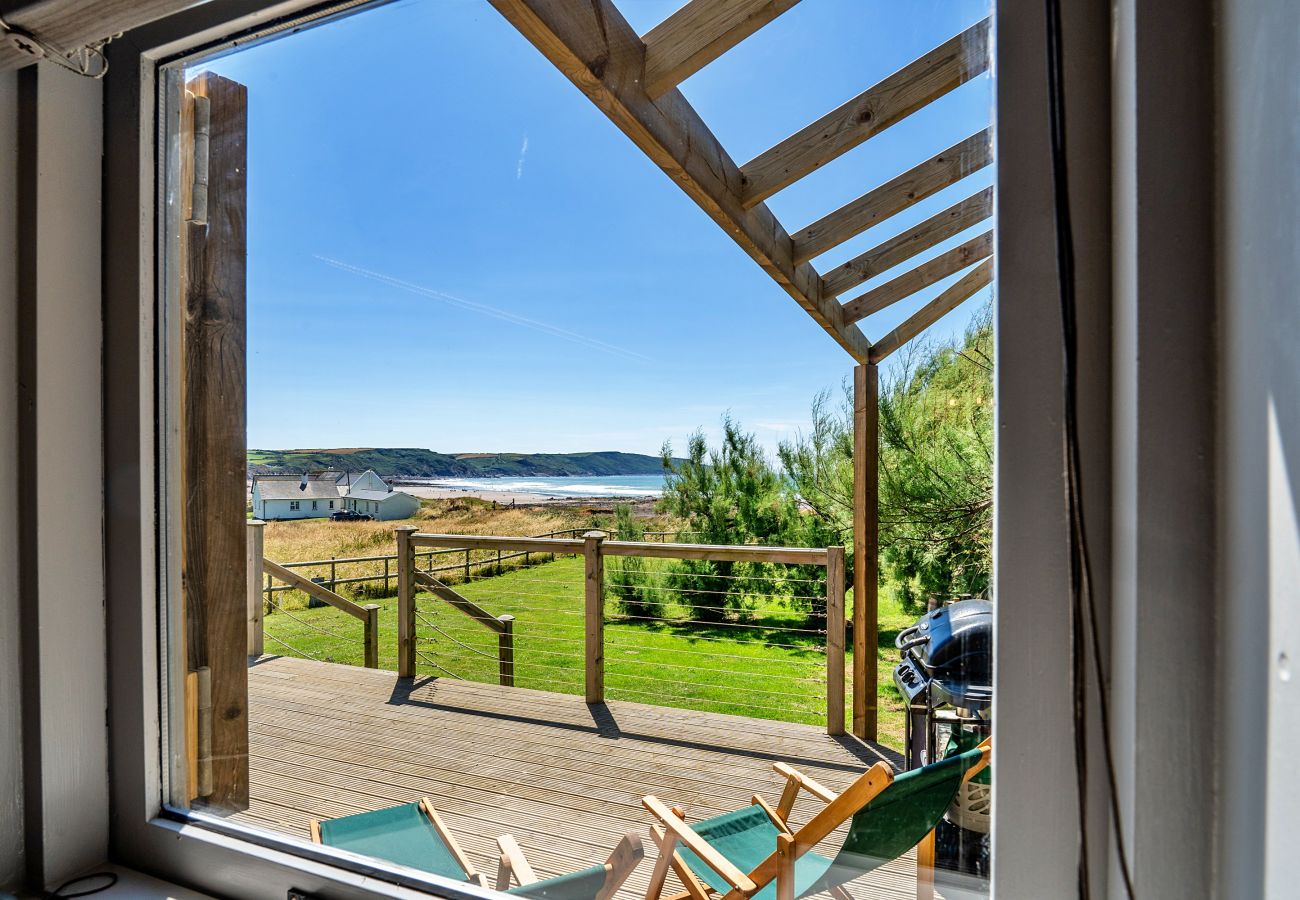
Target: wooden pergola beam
[902,247]
[921,81]
[933,311]
[894,196]
[699,33]
[595,47]
[924,275]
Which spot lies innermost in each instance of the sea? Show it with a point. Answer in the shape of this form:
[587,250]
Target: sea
[568,486]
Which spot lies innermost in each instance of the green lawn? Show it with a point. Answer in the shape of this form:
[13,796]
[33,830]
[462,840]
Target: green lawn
[771,666]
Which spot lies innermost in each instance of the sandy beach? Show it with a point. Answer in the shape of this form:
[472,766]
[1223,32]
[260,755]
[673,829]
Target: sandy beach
[520,498]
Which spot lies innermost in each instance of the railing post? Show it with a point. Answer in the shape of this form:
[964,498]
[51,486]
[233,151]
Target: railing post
[506,649]
[372,635]
[386,582]
[405,602]
[256,530]
[334,575]
[467,564]
[835,640]
[595,603]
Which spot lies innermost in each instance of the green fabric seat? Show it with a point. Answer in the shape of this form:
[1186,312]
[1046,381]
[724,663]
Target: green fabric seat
[399,834]
[581,885]
[891,824]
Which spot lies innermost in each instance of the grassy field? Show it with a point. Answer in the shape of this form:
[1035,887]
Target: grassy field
[305,539]
[772,665]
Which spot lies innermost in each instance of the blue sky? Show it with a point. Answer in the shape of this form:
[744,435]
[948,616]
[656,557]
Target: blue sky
[450,247]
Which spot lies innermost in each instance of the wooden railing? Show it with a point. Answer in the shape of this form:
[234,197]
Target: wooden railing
[258,565]
[594,547]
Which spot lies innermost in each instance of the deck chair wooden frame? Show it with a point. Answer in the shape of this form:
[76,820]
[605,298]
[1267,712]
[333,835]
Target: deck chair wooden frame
[513,865]
[790,843]
[453,847]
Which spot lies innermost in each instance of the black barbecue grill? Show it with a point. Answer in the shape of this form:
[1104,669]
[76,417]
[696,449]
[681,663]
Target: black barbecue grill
[946,676]
[949,653]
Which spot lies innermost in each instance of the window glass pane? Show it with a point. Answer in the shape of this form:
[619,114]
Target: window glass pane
[619,527]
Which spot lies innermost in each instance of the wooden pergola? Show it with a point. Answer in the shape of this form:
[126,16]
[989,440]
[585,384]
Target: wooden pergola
[633,79]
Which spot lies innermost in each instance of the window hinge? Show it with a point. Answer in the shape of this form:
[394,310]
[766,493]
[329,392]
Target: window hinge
[202,139]
[205,731]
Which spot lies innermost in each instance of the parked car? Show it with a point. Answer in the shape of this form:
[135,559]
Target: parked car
[349,515]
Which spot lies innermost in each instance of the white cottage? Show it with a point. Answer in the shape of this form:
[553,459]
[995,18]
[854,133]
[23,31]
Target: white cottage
[373,496]
[294,497]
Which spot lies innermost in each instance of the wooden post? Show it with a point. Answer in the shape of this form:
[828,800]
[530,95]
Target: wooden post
[866,547]
[372,635]
[595,603]
[386,582]
[405,602]
[467,564]
[506,649]
[256,531]
[334,575]
[213,428]
[834,640]
[925,859]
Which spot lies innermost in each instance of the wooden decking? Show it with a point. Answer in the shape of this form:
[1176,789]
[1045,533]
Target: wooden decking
[566,779]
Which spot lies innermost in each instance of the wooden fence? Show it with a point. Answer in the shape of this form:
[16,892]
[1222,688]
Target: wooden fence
[464,564]
[259,565]
[595,547]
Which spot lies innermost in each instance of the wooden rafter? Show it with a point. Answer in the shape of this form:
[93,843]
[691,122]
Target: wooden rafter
[902,247]
[921,81]
[933,311]
[595,47]
[894,196]
[699,33]
[924,275]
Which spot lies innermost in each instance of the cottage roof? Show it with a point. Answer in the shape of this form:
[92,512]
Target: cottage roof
[375,495]
[284,488]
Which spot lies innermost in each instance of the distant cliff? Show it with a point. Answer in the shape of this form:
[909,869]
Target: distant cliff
[411,463]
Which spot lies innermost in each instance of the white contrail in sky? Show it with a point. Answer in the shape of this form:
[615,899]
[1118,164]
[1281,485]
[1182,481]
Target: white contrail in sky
[484,309]
[523,151]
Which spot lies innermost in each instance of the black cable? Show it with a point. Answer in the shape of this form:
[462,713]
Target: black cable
[1084,638]
[61,892]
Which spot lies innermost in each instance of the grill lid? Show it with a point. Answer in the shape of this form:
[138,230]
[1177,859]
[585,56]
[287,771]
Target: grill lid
[953,647]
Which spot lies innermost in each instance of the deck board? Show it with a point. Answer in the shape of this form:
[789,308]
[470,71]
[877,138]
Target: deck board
[564,778]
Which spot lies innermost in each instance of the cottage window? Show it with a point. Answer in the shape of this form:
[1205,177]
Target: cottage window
[313,504]
[293,504]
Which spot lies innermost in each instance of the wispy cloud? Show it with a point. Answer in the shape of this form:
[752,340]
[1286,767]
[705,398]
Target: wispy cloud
[523,152]
[484,309]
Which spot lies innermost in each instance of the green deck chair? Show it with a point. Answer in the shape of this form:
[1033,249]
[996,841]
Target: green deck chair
[592,883]
[410,835]
[753,853]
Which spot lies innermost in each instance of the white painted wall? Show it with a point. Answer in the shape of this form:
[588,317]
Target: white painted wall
[398,505]
[369,481]
[279,509]
[1259,449]
[11,831]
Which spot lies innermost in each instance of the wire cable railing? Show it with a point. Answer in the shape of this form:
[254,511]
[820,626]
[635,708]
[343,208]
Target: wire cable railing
[742,630]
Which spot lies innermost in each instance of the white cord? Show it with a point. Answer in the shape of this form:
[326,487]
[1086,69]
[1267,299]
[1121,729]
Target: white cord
[88,61]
